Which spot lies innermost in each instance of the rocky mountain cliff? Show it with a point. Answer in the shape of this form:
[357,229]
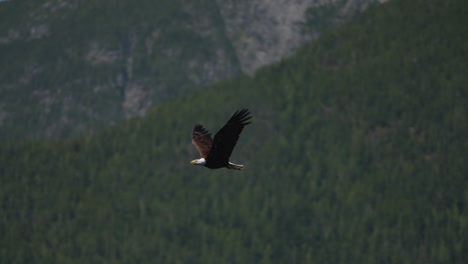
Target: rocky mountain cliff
[264,32]
[71,67]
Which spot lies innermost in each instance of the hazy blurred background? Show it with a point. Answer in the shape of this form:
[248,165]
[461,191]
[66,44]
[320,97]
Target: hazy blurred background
[356,153]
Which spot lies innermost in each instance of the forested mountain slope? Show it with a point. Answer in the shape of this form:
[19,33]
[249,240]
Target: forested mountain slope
[73,67]
[356,154]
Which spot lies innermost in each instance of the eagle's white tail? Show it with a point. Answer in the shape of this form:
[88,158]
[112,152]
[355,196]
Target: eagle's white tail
[235,166]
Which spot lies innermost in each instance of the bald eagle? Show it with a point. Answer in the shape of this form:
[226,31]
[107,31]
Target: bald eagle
[215,153]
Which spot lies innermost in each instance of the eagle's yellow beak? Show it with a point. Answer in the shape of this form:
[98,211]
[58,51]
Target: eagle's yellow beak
[193,162]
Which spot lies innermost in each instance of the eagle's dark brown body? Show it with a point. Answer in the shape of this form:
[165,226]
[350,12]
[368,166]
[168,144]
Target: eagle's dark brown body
[216,152]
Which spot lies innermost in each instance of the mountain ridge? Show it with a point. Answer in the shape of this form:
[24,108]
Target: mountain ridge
[74,67]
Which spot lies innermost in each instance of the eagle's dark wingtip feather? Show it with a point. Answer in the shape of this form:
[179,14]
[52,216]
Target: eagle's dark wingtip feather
[242,116]
[201,129]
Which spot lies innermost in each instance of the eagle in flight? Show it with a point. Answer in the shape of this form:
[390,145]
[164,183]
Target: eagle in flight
[215,152]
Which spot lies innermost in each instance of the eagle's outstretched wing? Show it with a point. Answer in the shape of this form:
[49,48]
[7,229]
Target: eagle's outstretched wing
[201,138]
[226,138]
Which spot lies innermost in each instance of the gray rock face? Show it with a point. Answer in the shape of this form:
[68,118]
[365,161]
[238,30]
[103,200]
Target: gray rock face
[77,72]
[265,31]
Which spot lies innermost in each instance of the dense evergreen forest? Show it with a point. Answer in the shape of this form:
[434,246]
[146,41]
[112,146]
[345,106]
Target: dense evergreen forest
[356,154]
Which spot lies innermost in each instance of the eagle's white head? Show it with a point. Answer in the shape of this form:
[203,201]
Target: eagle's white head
[201,161]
